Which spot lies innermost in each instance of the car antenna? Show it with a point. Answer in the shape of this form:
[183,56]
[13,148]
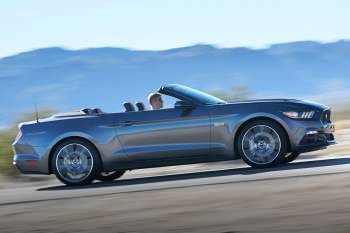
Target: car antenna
[36,113]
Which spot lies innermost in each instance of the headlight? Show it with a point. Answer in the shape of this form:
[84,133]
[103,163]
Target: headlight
[300,115]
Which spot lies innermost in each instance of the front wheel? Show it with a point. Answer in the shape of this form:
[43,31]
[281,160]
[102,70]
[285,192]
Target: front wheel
[110,176]
[76,162]
[262,144]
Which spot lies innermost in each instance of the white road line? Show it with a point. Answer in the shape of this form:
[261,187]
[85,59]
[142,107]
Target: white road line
[301,168]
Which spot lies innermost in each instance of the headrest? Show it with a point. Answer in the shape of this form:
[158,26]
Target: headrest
[91,111]
[129,107]
[140,106]
[97,110]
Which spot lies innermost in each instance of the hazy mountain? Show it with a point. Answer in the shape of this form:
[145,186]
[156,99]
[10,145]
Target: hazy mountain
[105,77]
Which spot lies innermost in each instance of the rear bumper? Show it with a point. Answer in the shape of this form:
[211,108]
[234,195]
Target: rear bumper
[31,160]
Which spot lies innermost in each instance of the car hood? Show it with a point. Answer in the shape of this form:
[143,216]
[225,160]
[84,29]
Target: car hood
[292,102]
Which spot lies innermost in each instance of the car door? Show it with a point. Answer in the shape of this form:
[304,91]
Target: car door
[164,134]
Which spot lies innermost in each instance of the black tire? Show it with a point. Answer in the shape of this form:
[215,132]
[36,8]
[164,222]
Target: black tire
[290,157]
[110,176]
[94,158]
[276,155]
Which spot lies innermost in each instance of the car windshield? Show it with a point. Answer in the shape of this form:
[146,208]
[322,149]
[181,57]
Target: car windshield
[200,96]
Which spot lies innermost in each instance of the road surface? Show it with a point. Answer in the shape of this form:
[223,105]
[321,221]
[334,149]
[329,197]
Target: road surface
[307,195]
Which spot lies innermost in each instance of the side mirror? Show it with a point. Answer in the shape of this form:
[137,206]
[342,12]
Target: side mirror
[183,105]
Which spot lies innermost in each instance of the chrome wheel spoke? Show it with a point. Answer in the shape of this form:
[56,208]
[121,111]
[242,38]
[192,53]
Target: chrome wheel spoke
[261,144]
[74,162]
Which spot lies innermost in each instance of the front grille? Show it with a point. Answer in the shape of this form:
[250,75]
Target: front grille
[317,139]
[326,116]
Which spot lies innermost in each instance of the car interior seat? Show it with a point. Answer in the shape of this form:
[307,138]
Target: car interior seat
[129,107]
[98,111]
[140,106]
[92,111]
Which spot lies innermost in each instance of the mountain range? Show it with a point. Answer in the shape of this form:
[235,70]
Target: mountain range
[66,79]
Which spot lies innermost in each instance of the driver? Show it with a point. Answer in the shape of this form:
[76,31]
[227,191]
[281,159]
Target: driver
[155,100]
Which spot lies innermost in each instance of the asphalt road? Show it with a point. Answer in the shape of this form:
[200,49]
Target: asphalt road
[307,195]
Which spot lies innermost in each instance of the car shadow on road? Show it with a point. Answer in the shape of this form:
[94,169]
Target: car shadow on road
[205,174]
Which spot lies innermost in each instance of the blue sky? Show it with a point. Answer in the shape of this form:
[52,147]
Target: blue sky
[163,24]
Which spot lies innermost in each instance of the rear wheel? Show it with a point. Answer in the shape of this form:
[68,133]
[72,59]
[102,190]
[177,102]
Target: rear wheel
[76,162]
[110,176]
[262,143]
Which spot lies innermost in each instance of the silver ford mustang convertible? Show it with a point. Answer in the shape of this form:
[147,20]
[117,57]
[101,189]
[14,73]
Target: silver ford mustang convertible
[79,147]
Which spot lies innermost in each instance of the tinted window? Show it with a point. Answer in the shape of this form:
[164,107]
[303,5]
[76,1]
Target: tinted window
[200,96]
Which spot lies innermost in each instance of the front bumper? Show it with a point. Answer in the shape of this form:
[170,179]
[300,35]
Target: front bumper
[316,138]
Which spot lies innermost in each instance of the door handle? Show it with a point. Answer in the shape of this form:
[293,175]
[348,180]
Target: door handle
[120,124]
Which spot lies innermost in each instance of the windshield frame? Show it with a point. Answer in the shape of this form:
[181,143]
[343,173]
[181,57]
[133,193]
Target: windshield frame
[191,95]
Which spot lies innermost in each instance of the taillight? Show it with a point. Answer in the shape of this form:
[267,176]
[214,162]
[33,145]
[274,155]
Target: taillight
[19,135]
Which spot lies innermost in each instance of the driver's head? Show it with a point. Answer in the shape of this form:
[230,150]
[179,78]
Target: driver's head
[155,100]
